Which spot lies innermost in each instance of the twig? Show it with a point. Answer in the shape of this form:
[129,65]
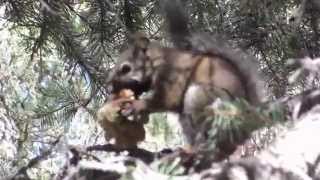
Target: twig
[142,154]
[34,161]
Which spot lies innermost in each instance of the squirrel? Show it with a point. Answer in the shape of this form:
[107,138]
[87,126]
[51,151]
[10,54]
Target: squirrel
[185,78]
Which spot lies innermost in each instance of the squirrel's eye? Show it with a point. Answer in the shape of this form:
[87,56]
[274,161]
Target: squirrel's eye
[125,68]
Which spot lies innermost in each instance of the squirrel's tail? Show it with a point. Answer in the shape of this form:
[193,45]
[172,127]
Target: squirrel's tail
[177,22]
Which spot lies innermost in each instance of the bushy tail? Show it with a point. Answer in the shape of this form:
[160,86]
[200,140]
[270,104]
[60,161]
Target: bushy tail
[177,22]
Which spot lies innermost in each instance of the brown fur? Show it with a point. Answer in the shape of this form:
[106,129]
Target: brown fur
[186,78]
[172,73]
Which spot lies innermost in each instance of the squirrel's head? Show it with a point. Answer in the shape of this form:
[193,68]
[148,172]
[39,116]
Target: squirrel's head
[135,65]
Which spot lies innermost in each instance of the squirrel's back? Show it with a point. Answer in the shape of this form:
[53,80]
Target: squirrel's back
[245,65]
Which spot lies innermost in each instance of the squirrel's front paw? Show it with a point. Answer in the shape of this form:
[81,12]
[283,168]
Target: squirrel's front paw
[135,110]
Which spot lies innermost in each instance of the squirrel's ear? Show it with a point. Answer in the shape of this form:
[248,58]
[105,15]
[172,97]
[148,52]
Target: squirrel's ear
[139,41]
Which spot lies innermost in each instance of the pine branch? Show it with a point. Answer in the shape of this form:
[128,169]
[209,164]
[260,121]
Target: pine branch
[22,172]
